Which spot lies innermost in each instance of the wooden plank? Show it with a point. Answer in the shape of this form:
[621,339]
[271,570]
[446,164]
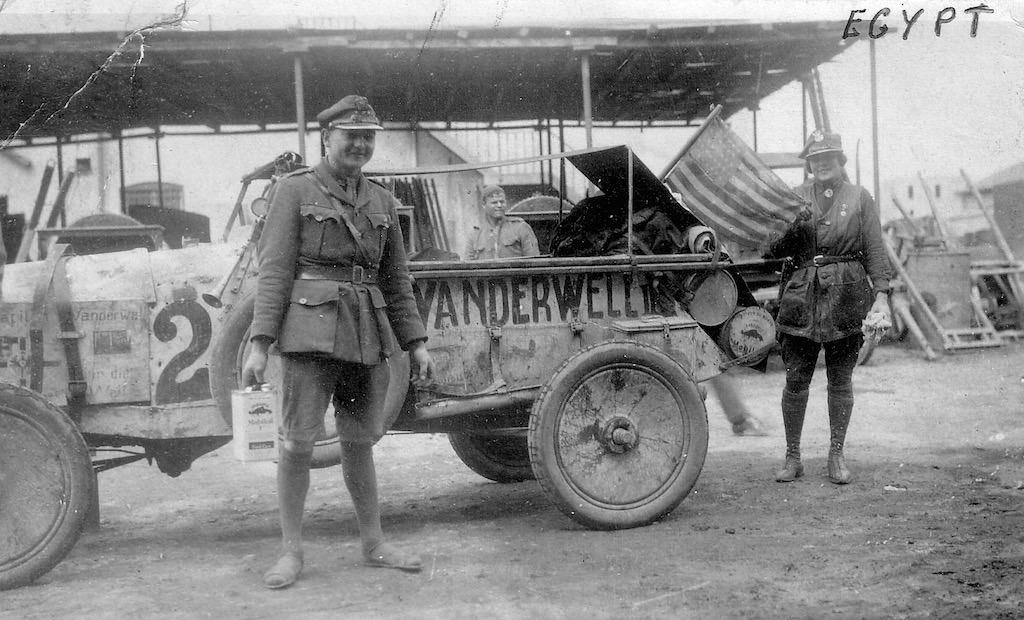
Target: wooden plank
[939,224]
[37,212]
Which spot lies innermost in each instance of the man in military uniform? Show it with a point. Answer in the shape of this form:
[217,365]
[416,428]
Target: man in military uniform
[500,236]
[335,299]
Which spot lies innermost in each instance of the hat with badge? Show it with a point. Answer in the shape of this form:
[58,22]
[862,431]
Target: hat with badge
[821,142]
[351,112]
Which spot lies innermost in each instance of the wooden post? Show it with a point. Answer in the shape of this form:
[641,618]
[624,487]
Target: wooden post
[551,175]
[874,119]
[629,202]
[1004,247]
[754,111]
[588,120]
[906,216]
[120,167]
[715,112]
[939,224]
[300,106]
[812,97]
[57,211]
[37,212]
[561,169]
[1012,279]
[826,126]
[159,169]
[901,307]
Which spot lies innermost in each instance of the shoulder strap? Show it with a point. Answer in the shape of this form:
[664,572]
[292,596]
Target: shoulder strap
[356,235]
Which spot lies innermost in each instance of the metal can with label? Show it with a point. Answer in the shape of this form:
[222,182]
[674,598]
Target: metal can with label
[255,415]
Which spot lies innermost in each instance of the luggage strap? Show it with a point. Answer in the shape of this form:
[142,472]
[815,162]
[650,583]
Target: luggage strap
[54,274]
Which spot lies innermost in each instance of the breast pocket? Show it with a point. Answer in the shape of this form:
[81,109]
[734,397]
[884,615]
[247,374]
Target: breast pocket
[319,223]
[513,247]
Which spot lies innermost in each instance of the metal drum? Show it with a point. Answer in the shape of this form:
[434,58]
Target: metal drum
[749,332]
[714,297]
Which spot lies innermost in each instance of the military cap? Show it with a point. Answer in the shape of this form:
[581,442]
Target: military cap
[351,112]
[820,142]
[490,189]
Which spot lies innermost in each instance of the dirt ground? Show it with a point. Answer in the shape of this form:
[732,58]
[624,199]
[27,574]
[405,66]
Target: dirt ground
[932,527]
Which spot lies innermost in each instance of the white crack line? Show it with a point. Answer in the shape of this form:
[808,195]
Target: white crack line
[174,21]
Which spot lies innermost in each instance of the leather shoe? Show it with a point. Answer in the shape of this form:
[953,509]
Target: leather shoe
[790,471]
[837,470]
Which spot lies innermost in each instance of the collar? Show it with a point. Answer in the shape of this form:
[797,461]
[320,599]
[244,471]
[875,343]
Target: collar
[834,185]
[352,196]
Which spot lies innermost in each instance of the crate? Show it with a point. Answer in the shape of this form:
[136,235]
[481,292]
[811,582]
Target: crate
[255,416]
[944,279]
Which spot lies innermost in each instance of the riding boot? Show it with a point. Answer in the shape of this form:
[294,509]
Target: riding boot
[839,410]
[794,405]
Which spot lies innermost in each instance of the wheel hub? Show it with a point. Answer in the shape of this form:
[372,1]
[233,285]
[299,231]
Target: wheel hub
[619,435]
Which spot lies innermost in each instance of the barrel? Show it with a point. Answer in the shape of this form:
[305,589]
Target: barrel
[750,331]
[714,295]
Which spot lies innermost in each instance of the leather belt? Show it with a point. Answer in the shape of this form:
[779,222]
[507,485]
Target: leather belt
[824,259]
[356,274]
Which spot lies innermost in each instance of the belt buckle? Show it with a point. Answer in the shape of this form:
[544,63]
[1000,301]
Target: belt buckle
[357,274]
[817,260]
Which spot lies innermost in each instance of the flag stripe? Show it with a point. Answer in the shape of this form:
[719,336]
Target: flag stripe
[733,206]
[772,184]
[775,205]
[724,183]
[709,205]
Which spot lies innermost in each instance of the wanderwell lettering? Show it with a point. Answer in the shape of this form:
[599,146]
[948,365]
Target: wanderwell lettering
[523,300]
[107,315]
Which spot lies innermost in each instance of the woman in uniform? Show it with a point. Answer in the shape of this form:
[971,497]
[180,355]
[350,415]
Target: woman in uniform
[840,274]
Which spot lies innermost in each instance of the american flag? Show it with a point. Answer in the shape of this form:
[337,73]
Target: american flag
[723,182]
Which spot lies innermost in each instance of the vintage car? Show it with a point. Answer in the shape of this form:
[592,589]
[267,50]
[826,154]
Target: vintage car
[579,368]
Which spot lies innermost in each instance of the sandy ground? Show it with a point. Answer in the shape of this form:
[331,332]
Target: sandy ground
[932,527]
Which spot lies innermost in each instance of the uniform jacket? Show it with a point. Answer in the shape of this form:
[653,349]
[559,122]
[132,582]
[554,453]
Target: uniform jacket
[829,302]
[344,320]
[511,238]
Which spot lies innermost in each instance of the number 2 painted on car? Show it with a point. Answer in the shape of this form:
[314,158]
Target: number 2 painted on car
[168,388]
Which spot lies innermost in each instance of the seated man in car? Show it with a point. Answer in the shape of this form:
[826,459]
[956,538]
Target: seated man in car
[500,235]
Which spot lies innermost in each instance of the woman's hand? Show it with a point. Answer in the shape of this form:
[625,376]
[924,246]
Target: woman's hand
[424,363]
[881,306]
[879,319]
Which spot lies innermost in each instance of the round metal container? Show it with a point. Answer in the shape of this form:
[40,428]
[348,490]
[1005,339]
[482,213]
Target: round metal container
[750,330]
[714,297]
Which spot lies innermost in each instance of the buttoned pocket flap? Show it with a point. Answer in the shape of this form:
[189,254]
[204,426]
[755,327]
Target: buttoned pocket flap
[314,292]
[379,220]
[319,212]
[311,320]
